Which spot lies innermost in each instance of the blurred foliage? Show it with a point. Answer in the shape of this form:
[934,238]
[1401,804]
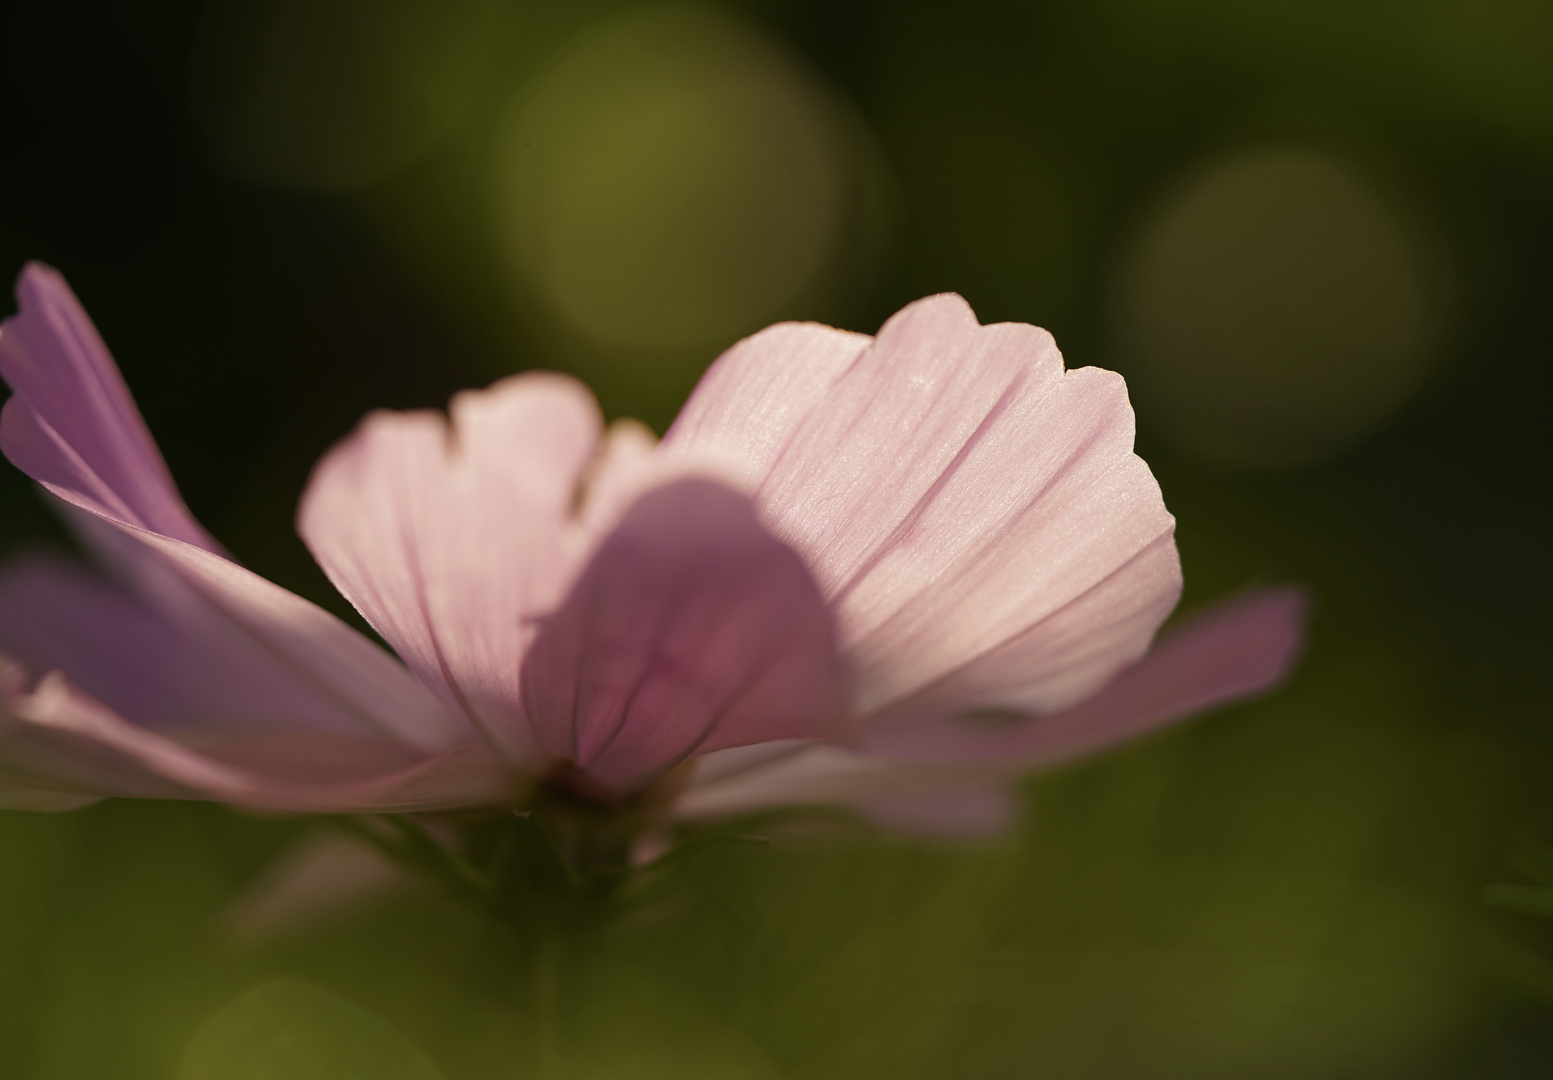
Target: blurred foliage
[287,1027]
[283,215]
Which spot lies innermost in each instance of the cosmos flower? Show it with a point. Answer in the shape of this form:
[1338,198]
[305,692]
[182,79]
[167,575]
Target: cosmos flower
[893,573]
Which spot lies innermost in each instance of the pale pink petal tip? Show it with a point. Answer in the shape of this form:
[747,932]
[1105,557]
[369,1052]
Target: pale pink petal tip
[71,424]
[451,533]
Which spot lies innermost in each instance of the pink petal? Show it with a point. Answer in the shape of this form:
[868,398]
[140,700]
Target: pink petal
[749,403]
[1235,651]
[1241,649]
[450,539]
[178,670]
[193,678]
[26,791]
[55,736]
[72,425]
[1068,654]
[626,465]
[271,627]
[690,630]
[952,490]
[56,741]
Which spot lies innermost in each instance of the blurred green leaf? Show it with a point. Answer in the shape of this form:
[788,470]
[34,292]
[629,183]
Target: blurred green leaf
[288,1029]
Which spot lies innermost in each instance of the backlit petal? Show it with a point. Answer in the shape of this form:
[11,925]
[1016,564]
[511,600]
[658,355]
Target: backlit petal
[691,629]
[451,538]
[907,764]
[56,741]
[752,400]
[955,488]
[158,668]
[1235,651]
[1067,654]
[72,426]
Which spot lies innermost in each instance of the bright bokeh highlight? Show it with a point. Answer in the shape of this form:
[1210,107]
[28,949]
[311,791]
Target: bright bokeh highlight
[673,178]
[1277,308]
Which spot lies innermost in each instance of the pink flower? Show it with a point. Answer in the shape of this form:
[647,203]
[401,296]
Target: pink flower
[893,573]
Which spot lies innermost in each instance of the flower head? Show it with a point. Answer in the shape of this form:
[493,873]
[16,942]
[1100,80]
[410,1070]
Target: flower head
[891,572]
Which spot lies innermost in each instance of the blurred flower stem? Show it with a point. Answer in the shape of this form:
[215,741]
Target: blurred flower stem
[546,1008]
[545,874]
[508,868]
[548,892]
[523,880]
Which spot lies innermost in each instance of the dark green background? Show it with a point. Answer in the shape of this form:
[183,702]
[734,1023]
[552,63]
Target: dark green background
[1288,889]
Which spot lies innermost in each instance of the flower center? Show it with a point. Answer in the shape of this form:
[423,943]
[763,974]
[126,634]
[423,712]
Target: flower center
[596,828]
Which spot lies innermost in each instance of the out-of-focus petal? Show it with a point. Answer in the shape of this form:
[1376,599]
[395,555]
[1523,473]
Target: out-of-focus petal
[982,810]
[954,489]
[450,538]
[626,465]
[750,402]
[1239,649]
[690,630]
[30,789]
[72,425]
[56,739]
[906,796]
[327,873]
[262,622]
[158,669]
[42,800]
[744,779]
